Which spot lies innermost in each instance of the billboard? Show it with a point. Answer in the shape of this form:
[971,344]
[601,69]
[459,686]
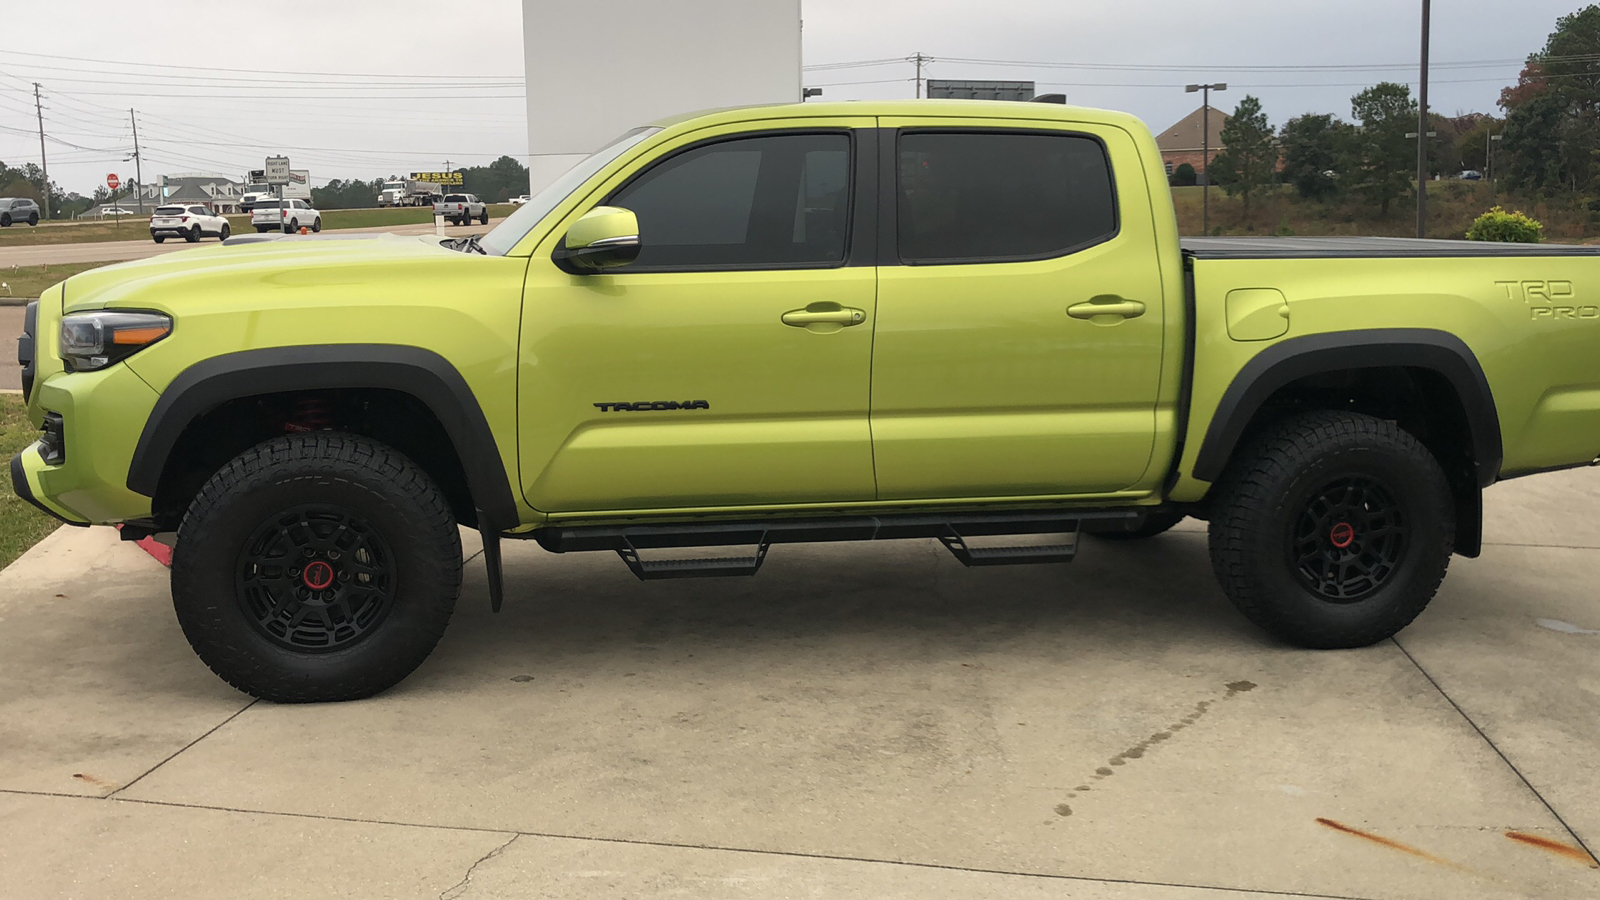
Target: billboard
[945,89]
[446,179]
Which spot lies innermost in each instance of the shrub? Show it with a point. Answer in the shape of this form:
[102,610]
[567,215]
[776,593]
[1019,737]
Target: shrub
[1184,176]
[1506,227]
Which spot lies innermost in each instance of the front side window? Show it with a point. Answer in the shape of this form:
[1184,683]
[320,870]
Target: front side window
[1001,196]
[778,201]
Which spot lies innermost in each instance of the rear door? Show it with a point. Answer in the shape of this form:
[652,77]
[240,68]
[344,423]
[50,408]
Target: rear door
[1018,346]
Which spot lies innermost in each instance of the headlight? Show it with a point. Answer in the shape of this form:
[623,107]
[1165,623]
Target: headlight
[94,340]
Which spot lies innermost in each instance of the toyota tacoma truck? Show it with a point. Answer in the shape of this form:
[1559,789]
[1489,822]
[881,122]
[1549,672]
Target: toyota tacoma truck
[960,321]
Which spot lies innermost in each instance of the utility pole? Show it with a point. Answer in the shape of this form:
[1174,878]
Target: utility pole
[920,59]
[1205,148]
[43,163]
[138,166]
[1422,130]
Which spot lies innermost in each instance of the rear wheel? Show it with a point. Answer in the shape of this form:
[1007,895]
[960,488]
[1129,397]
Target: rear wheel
[160,238]
[5,220]
[316,567]
[1332,530]
[294,226]
[192,235]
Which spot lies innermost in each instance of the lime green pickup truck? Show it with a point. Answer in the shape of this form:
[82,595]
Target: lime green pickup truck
[952,320]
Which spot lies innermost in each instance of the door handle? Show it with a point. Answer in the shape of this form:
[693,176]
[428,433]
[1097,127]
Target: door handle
[843,316]
[1106,306]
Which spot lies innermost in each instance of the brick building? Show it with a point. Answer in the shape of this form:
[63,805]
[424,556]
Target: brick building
[1182,143]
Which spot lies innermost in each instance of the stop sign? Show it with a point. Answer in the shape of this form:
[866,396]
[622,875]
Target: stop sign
[112,181]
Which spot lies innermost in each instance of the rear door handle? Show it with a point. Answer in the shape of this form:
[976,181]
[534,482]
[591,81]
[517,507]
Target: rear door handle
[842,316]
[1106,306]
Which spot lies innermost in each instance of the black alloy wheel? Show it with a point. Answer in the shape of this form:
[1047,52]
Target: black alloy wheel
[1349,539]
[316,577]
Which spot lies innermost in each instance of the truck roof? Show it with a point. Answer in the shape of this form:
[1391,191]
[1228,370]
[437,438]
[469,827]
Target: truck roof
[963,109]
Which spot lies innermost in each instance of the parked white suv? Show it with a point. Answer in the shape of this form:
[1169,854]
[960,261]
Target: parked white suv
[461,209]
[188,222]
[287,216]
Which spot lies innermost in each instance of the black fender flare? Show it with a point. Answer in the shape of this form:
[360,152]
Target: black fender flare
[1296,358]
[423,374]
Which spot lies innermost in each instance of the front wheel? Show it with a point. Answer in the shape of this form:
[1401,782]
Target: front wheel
[33,218]
[226,232]
[316,225]
[484,219]
[1332,529]
[316,567]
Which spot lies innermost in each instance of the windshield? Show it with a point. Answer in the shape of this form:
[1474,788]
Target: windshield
[394,185]
[517,225]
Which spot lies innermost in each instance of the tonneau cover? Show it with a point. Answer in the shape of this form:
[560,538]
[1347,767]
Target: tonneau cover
[1365,248]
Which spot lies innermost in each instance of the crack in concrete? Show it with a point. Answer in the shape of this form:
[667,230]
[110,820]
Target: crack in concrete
[460,887]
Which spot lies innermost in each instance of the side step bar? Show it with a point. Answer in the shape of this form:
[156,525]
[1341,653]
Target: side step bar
[952,530]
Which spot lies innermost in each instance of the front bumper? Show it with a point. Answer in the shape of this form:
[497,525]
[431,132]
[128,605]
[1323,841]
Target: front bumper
[102,415]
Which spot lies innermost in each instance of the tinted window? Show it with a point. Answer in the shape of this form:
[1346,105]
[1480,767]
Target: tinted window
[455,198]
[775,201]
[170,211]
[996,196]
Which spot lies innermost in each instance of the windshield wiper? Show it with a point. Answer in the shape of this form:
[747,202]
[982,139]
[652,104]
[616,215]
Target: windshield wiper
[466,245]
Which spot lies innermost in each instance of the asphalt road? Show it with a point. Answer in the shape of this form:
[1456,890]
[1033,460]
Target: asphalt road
[116,251]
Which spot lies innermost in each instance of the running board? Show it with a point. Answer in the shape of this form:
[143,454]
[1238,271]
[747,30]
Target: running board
[952,529]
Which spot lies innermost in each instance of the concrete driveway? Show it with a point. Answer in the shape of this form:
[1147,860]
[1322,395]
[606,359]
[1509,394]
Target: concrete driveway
[866,721]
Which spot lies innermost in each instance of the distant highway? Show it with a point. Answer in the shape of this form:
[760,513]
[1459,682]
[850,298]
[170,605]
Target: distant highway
[115,251]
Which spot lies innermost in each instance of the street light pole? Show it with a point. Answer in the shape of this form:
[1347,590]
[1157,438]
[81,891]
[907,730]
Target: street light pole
[1422,130]
[1205,148]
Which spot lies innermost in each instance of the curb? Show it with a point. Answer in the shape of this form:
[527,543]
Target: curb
[16,301]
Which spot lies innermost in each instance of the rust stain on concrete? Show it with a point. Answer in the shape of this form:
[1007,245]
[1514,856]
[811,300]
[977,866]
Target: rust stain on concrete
[1576,854]
[1386,842]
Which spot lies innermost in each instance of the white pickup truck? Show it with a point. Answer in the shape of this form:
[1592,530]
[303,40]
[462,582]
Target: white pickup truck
[461,209]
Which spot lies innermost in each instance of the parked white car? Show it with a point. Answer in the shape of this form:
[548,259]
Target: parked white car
[518,201]
[287,216]
[188,222]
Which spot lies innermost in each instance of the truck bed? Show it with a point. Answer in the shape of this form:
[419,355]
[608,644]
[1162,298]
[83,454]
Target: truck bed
[1367,248]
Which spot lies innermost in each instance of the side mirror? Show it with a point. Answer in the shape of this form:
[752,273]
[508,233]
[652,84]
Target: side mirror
[604,237]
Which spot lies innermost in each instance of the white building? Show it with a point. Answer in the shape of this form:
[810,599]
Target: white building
[596,70]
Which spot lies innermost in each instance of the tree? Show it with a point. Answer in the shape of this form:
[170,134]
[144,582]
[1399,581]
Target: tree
[1552,137]
[1382,156]
[1250,155]
[1314,146]
[351,194]
[1184,176]
[28,181]
[497,182]
[1473,145]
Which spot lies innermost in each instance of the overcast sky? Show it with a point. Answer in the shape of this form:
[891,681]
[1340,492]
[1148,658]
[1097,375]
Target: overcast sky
[458,97]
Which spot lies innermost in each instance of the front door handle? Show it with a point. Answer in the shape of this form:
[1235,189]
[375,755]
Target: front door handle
[824,314]
[1109,306]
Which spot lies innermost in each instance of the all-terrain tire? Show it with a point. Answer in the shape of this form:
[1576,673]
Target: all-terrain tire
[249,610]
[1154,524]
[1332,529]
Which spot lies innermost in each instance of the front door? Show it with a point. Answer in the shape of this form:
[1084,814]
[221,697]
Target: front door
[729,366]
[1018,348]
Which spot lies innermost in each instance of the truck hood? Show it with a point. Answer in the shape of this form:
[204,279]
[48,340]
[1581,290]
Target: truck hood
[245,262]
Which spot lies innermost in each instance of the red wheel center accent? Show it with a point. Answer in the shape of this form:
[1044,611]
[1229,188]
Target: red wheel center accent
[1342,535]
[318,575]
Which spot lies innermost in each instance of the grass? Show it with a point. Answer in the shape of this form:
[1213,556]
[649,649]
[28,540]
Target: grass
[1452,205]
[30,281]
[21,526]
[138,229]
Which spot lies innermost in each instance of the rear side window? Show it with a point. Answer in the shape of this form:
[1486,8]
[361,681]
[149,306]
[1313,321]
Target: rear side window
[1001,196]
[780,201]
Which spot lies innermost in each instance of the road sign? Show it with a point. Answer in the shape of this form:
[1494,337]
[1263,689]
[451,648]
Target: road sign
[113,182]
[277,170]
